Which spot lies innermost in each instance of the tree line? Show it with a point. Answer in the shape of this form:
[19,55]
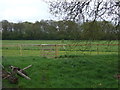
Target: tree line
[59,30]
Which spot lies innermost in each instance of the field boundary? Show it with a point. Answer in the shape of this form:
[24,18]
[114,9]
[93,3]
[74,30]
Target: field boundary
[60,45]
[54,50]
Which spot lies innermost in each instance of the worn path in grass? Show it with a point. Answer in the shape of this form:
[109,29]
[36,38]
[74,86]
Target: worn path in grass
[95,71]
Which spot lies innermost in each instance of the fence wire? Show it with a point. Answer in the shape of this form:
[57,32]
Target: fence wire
[59,50]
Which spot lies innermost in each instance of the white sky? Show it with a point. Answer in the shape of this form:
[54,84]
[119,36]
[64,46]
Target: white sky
[24,10]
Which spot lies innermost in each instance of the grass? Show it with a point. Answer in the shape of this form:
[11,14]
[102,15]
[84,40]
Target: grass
[95,71]
[79,67]
[17,42]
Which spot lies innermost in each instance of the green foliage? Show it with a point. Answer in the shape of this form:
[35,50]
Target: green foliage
[98,30]
[58,30]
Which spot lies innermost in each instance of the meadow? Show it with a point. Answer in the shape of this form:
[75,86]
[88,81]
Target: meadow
[89,70]
[14,42]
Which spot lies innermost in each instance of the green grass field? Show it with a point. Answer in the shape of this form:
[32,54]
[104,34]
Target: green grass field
[86,71]
[16,42]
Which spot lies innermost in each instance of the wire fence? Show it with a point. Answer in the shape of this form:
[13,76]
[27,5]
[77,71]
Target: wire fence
[58,50]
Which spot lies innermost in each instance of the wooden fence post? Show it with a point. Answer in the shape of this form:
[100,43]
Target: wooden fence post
[43,52]
[56,51]
[20,50]
[97,49]
[90,48]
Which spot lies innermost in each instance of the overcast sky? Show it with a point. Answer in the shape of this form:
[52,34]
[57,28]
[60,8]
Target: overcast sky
[24,10]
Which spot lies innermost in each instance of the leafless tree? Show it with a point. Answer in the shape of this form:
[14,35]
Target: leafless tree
[86,10]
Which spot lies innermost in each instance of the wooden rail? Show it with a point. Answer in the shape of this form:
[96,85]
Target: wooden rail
[61,45]
[53,49]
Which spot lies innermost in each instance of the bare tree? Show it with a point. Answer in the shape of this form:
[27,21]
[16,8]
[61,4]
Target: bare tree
[86,10]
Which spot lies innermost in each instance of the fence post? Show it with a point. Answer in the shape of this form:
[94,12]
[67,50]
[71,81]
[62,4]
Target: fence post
[20,50]
[43,52]
[97,49]
[90,48]
[56,50]
[40,50]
